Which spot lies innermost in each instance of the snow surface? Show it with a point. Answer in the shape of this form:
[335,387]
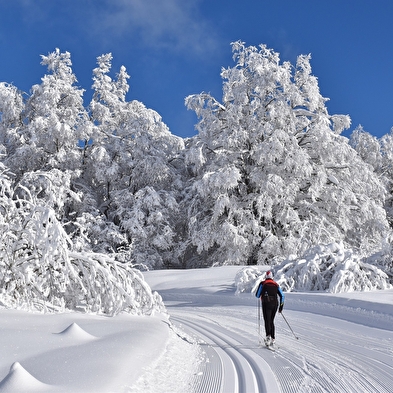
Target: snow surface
[345,343]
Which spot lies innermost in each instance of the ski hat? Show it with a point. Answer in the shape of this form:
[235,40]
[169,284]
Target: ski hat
[269,274]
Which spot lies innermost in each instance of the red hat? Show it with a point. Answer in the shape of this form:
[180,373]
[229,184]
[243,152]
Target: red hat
[269,274]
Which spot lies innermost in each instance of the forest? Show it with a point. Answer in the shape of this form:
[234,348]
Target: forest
[93,193]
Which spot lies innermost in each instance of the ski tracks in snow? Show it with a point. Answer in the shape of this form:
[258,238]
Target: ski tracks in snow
[231,366]
[325,359]
[336,356]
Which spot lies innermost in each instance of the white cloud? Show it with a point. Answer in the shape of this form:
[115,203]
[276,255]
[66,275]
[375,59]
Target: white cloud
[168,24]
[177,26]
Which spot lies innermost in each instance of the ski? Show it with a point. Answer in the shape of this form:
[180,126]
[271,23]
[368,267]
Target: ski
[272,348]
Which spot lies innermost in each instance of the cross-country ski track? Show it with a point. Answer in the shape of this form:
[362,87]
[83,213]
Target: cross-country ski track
[345,345]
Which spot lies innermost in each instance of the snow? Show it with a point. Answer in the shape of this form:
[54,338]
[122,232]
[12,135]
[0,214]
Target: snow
[75,352]
[208,342]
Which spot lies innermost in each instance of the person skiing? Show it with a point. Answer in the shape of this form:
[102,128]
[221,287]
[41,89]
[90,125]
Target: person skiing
[268,291]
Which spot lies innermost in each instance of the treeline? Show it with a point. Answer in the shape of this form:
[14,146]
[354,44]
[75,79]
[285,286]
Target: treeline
[267,176]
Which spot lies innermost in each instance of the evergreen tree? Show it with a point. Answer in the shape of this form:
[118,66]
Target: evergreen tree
[129,166]
[54,121]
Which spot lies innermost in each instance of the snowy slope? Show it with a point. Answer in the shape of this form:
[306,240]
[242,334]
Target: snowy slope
[345,343]
[85,353]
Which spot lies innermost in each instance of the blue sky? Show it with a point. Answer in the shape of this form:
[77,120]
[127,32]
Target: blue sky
[173,48]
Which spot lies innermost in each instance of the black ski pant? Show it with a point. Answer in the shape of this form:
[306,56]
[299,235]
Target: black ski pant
[269,312]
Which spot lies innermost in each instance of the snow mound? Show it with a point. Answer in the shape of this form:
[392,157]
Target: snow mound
[329,268]
[76,334]
[20,380]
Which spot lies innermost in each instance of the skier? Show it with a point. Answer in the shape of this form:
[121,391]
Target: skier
[268,291]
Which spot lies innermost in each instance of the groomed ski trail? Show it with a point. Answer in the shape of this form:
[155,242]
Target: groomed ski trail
[332,355]
[327,363]
[239,366]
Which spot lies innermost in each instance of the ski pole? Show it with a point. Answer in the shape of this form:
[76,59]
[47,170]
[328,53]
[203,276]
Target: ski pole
[297,338]
[259,318]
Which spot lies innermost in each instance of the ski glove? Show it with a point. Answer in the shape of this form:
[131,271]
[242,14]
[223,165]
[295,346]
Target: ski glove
[281,307]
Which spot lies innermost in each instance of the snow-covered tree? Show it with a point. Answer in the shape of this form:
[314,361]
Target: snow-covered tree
[107,158]
[11,118]
[330,268]
[131,145]
[129,162]
[54,121]
[267,179]
[326,268]
[368,147]
[386,172]
[39,269]
[379,154]
[272,175]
